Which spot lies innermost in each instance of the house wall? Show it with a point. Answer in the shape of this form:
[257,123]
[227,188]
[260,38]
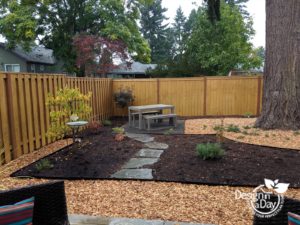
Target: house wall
[33,67]
[7,57]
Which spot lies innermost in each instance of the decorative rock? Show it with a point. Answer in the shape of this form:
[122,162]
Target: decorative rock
[145,138]
[135,163]
[149,153]
[157,145]
[143,174]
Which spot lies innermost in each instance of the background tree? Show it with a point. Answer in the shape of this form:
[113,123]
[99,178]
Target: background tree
[155,31]
[215,49]
[178,28]
[281,93]
[54,23]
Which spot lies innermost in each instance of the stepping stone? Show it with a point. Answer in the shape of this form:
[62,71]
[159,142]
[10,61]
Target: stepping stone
[157,145]
[135,222]
[143,174]
[135,163]
[145,138]
[88,220]
[149,153]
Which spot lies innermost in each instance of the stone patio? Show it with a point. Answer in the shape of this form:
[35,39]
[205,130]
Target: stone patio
[98,220]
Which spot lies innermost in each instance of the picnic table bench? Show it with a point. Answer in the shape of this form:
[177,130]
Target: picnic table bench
[150,110]
[172,119]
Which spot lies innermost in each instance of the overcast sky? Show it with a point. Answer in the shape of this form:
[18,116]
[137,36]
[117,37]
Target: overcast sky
[256,8]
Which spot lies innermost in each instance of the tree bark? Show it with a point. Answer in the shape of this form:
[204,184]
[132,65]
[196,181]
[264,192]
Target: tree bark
[281,92]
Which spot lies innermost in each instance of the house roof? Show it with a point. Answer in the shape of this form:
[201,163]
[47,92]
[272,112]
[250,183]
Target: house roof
[37,54]
[135,68]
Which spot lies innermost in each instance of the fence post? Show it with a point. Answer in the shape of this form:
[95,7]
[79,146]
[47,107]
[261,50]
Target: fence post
[258,95]
[205,97]
[13,116]
[158,90]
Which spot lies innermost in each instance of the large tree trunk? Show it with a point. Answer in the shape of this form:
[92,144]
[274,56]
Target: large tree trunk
[281,94]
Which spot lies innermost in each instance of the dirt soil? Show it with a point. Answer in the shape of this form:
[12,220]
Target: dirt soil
[97,156]
[242,165]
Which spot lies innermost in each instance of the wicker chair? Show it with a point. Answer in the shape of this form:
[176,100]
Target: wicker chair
[290,205]
[50,202]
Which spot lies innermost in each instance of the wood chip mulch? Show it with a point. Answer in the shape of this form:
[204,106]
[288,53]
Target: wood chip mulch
[248,134]
[147,200]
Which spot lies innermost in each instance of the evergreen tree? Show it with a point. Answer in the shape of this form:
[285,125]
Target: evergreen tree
[179,32]
[155,31]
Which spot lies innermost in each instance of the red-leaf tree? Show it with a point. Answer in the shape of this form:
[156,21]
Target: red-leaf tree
[96,54]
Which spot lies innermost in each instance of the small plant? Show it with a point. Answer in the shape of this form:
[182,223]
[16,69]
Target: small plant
[287,138]
[43,164]
[210,151]
[204,127]
[247,114]
[220,133]
[233,128]
[241,137]
[296,133]
[119,137]
[219,128]
[245,132]
[124,97]
[94,127]
[67,105]
[267,135]
[106,123]
[118,130]
[169,132]
[247,127]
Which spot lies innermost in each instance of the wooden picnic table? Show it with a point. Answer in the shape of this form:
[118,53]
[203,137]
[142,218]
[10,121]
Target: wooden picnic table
[147,108]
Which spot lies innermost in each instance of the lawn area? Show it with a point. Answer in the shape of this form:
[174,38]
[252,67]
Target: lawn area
[171,200]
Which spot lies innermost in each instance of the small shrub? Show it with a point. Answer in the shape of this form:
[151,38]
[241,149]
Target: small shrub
[241,137]
[267,135]
[124,97]
[119,137]
[247,114]
[296,133]
[246,127]
[218,128]
[118,130]
[204,127]
[106,123]
[94,127]
[233,128]
[43,164]
[210,151]
[169,132]
[245,132]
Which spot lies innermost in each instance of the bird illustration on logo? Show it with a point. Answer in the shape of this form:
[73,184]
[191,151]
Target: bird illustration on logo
[280,188]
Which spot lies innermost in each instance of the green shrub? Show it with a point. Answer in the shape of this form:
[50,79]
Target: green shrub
[169,131]
[210,151]
[233,128]
[247,114]
[43,164]
[246,127]
[106,123]
[118,130]
[218,128]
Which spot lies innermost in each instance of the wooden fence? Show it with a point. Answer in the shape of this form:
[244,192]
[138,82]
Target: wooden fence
[24,117]
[206,96]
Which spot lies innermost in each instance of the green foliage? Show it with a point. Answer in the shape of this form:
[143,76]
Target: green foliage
[247,127]
[215,49]
[248,114]
[169,131]
[118,130]
[66,105]
[106,123]
[210,151]
[124,97]
[43,164]
[155,32]
[54,23]
[233,128]
[219,128]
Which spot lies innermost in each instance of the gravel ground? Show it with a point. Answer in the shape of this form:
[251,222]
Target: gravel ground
[148,200]
[247,134]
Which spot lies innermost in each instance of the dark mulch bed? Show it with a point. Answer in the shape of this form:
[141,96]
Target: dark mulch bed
[243,164]
[97,156]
